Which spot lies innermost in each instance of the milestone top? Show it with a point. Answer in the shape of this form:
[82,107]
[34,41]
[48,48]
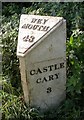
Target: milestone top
[32,28]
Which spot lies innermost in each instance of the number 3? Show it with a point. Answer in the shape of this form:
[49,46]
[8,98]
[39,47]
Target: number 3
[31,38]
[49,89]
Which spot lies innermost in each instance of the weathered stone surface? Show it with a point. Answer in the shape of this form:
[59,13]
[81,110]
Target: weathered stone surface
[46,82]
[43,63]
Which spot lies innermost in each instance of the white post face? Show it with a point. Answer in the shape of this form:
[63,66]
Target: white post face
[42,52]
[47,83]
[32,28]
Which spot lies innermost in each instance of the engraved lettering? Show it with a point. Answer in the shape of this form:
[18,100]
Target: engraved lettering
[56,66]
[38,71]
[32,72]
[45,28]
[29,26]
[49,89]
[44,79]
[38,80]
[51,77]
[33,20]
[48,78]
[39,21]
[56,76]
[62,65]
[45,20]
[28,38]
[44,69]
[35,27]
[31,38]
[25,39]
[24,26]
[50,67]
[40,28]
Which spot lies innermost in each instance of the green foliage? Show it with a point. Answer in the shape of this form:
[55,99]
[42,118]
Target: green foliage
[74,104]
[14,107]
[10,62]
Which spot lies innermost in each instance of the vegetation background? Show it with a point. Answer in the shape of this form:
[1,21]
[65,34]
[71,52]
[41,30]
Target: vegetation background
[13,104]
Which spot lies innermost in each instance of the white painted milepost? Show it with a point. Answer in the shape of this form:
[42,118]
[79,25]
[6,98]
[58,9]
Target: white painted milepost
[41,50]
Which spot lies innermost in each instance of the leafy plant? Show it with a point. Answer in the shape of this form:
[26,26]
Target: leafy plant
[13,105]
